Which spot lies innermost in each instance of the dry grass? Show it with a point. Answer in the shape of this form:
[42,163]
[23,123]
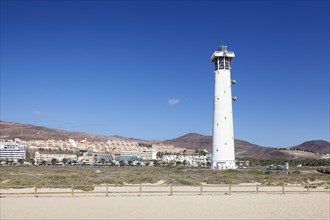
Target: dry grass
[65,176]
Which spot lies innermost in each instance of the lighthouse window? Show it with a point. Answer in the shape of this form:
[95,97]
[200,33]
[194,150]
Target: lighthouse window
[221,62]
[216,65]
[227,64]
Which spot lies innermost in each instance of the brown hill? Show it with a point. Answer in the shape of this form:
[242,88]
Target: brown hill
[242,148]
[191,141]
[198,141]
[11,130]
[316,146]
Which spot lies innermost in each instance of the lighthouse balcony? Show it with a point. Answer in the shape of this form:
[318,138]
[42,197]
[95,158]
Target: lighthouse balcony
[222,54]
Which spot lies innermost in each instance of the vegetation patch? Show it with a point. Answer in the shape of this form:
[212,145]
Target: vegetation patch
[66,176]
[84,188]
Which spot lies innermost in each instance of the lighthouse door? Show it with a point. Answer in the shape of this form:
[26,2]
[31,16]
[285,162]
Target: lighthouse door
[221,165]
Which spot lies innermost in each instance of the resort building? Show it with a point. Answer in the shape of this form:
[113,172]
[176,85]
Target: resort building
[10,150]
[167,148]
[48,157]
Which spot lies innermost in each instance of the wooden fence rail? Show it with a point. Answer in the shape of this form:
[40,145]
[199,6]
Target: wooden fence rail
[139,190]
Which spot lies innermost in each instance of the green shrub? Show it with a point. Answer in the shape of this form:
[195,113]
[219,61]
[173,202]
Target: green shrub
[254,172]
[267,172]
[232,171]
[313,186]
[84,188]
[185,182]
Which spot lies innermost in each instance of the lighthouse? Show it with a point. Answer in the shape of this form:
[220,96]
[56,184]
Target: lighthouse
[223,151]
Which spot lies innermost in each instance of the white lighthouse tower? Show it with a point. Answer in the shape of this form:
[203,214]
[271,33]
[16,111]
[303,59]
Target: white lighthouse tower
[223,152]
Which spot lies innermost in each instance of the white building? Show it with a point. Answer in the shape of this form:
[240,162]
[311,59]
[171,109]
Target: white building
[167,148]
[191,160]
[223,152]
[73,142]
[12,151]
[144,153]
[48,157]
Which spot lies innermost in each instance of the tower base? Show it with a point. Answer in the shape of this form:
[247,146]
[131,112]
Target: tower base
[223,165]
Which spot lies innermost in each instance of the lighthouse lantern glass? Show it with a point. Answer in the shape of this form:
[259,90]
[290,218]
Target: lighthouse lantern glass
[227,63]
[222,63]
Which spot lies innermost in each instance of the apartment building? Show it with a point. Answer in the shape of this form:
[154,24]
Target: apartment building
[39,157]
[10,150]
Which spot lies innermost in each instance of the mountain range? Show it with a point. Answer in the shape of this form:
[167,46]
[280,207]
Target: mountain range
[308,149]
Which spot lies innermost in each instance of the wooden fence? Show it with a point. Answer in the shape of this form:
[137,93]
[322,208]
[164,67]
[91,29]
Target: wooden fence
[139,190]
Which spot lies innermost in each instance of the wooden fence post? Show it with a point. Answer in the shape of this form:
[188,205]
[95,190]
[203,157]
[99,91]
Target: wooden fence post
[257,189]
[35,190]
[307,187]
[199,191]
[140,190]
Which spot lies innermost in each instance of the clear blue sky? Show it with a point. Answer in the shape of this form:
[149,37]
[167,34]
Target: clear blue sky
[142,68]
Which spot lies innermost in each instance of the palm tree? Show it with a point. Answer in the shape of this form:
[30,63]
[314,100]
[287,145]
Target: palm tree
[159,154]
[64,160]
[54,161]
[122,163]
[32,161]
[155,163]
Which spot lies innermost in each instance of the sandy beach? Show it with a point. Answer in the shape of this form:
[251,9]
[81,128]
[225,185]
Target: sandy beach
[236,206]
